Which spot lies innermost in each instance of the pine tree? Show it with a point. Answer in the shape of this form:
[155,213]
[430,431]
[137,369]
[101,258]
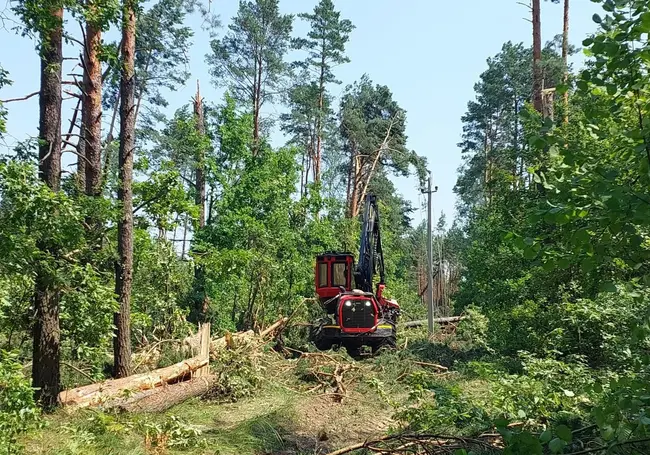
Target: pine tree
[325,43]
[250,58]
[97,15]
[44,19]
[373,129]
[47,337]
[124,266]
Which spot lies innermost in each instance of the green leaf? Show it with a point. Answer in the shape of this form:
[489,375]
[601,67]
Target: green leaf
[564,433]
[587,42]
[597,19]
[530,253]
[546,436]
[607,286]
[588,264]
[561,89]
[645,22]
[549,265]
[582,85]
[611,89]
[608,432]
[557,445]
[501,422]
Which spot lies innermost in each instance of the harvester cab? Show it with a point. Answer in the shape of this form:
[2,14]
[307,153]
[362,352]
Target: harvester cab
[355,316]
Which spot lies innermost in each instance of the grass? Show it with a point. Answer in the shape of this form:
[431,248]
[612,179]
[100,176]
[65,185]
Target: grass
[283,415]
[257,425]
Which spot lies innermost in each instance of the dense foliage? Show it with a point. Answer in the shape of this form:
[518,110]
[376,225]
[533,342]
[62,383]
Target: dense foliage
[224,229]
[548,256]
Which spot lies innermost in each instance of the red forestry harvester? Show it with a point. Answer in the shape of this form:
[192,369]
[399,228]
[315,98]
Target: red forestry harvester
[355,316]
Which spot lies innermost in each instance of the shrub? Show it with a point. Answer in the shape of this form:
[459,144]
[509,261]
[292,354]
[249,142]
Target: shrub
[18,412]
[474,329]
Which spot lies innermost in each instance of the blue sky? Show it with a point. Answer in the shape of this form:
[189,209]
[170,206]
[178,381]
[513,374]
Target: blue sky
[429,52]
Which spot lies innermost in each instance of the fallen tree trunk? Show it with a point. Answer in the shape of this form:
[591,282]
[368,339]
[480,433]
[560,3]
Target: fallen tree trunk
[97,393]
[422,322]
[167,396]
[277,325]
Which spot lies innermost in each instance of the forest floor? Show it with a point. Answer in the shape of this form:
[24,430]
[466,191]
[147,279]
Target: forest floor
[269,404]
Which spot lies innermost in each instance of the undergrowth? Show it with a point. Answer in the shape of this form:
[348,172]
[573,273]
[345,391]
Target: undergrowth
[267,401]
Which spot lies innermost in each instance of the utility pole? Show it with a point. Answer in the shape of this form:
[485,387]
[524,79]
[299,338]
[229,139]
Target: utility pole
[430,192]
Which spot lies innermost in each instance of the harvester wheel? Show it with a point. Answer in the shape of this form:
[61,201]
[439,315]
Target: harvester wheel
[385,344]
[317,337]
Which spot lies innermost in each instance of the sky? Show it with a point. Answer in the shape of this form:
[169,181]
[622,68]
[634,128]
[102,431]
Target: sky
[430,53]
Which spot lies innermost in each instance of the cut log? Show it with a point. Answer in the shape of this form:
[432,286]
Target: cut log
[273,327]
[432,365]
[422,322]
[167,396]
[97,393]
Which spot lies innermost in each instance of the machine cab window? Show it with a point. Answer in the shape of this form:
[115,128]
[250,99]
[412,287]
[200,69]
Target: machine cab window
[322,275]
[340,274]
[333,271]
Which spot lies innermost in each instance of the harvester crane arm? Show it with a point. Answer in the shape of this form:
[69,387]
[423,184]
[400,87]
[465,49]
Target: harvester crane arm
[371,254]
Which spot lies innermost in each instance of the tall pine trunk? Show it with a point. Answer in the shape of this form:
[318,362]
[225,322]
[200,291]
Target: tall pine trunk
[202,301]
[200,158]
[537,56]
[124,266]
[319,119]
[92,108]
[565,58]
[257,105]
[47,339]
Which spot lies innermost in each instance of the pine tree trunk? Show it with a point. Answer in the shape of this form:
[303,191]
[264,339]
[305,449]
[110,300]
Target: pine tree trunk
[81,155]
[124,266]
[46,347]
[319,121]
[307,168]
[537,56]
[202,301]
[92,109]
[565,58]
[80,178]
[200,158]
[257,105]
[356,188]
[302,175]
[50,106]
[47,343]
[348,191]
